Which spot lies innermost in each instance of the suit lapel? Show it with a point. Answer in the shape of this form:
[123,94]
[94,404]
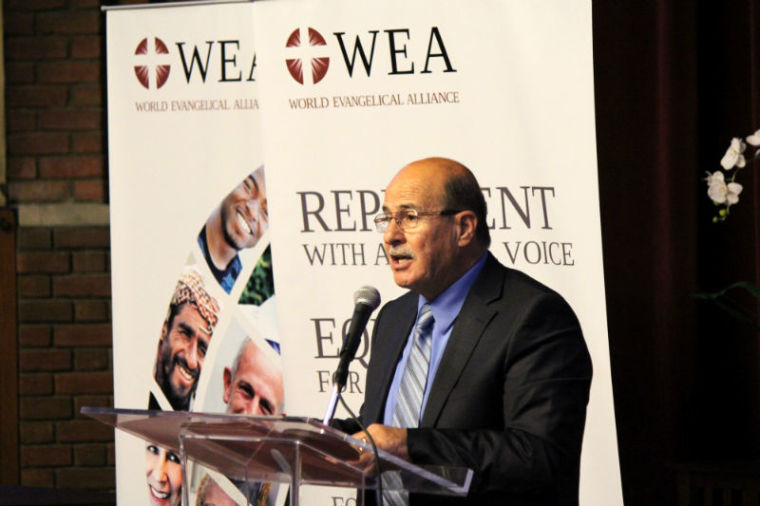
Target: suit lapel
[467,331]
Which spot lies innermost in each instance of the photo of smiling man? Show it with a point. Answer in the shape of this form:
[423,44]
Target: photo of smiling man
[185,336]
[237,223]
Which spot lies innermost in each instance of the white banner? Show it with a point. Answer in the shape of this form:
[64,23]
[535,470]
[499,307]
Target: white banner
[505,88]
[335,99]
[190,244]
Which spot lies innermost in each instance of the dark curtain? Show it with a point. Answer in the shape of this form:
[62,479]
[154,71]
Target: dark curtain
[674,81]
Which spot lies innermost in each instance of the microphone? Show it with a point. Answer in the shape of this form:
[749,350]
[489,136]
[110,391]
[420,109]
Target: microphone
[366,299]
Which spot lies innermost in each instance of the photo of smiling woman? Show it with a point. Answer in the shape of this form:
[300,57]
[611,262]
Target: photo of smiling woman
[164,475]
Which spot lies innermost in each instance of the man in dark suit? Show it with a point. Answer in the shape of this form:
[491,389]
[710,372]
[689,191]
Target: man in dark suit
[506,372]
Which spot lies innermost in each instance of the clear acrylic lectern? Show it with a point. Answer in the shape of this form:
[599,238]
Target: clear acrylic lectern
[297,451]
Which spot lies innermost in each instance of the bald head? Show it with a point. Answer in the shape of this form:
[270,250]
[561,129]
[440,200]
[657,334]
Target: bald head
[433,210]
[456,187]
[434,169]
[438,164]
[254,384]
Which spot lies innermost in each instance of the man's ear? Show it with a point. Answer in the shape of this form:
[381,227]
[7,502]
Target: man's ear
[466,225]
[227,378]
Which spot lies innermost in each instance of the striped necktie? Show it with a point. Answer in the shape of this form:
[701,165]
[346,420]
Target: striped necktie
[412,388]
[410,394]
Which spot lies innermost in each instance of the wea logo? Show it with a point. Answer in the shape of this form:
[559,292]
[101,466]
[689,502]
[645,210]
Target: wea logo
[224,61]
[361,51]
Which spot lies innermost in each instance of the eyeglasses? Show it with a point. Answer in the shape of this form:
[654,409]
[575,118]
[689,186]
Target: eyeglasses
[407,219]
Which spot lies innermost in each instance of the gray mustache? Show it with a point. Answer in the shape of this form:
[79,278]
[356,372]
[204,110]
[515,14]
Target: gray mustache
[400,251]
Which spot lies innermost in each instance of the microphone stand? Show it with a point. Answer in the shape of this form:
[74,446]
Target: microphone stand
[330,413]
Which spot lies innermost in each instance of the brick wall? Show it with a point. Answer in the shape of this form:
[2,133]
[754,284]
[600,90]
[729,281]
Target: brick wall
[64,356]
[54,63]
[54,101]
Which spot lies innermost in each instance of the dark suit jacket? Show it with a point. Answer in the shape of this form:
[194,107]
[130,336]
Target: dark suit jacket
[509,397]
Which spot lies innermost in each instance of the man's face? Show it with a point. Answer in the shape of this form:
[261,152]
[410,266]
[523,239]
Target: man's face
[421,259]
[244,212]
[256,387]
[215,496]
[164,474]
[182,350]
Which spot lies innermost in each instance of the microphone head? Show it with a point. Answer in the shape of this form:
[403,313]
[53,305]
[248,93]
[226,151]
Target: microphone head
[367,295]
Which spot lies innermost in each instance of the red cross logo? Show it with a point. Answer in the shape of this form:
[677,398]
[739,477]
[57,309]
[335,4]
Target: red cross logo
[307,56]
[151,56]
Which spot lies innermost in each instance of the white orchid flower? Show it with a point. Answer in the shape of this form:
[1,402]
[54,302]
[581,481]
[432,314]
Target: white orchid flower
[734,157]
[754,139]
[720,192]
[716,187]
[732,196]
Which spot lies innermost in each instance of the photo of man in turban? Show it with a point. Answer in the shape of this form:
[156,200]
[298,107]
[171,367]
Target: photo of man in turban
[185,336]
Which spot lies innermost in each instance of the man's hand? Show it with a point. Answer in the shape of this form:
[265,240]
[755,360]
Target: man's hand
[390,439]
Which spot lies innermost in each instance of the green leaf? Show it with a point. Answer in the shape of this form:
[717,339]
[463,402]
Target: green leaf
[730,306]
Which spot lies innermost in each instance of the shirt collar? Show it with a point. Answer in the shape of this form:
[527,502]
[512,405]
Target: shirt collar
[447,304]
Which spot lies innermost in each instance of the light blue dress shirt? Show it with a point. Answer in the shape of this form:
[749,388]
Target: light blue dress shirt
[445,308]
